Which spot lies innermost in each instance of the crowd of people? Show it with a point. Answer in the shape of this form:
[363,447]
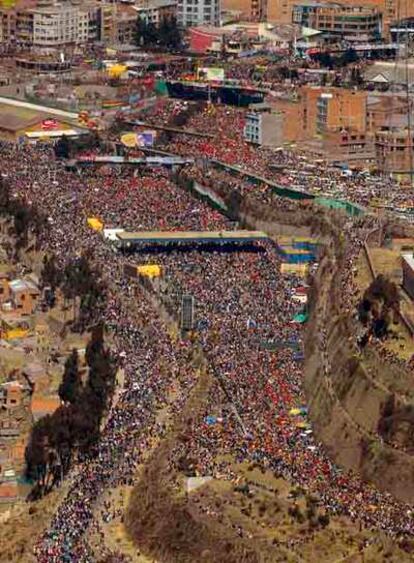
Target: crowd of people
[286,168]
[244,315]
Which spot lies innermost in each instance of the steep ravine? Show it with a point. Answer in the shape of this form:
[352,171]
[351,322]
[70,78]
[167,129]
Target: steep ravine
[348,407]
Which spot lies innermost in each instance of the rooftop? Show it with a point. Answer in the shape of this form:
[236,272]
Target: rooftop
[409,259]
[23,285]
[155,4]
[16,118]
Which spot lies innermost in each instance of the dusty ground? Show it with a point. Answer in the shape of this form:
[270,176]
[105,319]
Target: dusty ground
[21,525]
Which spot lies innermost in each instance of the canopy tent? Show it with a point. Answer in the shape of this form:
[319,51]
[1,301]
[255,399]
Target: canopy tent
[301,317]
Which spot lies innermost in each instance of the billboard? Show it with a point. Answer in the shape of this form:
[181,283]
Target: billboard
[141,139]
[146,138]
[213,74]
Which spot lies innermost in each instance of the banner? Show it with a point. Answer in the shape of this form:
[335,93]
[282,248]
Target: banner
[146,138]
[142,139]
[214,74]
[49,124]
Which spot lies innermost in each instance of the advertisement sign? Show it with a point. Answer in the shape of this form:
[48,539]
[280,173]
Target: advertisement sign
[146,138]
[213,74]
[49,124]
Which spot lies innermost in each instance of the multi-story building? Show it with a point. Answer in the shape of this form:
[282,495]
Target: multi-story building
[394,151]
[382,110]
[125,24]
[252,10]
[264,127]
[347,22]
[280,10]
[52,26]
[391,10]
[191,13]
[106,23]
[157,10]
[7,25]
[320,113]
[338,109]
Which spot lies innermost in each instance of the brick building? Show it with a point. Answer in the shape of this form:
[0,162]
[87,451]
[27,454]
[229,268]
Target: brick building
[381,109]
[316,110]
[354,23]
[340,109]
[391,10]
[24,295]
[12,395]
[394,150]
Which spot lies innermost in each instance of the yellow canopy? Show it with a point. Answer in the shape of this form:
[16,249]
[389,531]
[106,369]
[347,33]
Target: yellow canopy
[15,333]
[116,71]
[294,411]
[302,425]
[129,140]
[95,224]
[150,270]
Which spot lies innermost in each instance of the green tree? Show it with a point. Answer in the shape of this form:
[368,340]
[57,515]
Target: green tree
[71,386]
[350,56]
[169,34]
[51,274]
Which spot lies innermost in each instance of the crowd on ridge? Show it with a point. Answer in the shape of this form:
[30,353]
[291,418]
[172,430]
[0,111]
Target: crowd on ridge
[242,302]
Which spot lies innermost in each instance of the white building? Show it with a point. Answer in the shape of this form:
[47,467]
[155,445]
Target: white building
[53,26]
[264,127]
[191,13]
[155,11]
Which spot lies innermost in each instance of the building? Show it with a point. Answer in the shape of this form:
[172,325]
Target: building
[157,10]
[382,109]
[21,124]
[125,24]
[246,36]
[383,74]
[264,126]
[391,10]
[394,151]
[52,26]
[279,10]
[328,123]
[252,10]
[7,25]
[192,13]
[338,109]
[204,39]
[12,395]
[24,296]
[356,149]
[408,274]
[313,111]
[352,23]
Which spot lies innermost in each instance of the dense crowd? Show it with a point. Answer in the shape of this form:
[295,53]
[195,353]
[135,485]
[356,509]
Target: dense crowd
[284,167]
[244,322]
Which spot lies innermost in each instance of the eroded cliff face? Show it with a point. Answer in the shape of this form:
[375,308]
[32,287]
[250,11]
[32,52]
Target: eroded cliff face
[362,423]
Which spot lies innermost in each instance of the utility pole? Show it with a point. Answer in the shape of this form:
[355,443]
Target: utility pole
[407,92]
